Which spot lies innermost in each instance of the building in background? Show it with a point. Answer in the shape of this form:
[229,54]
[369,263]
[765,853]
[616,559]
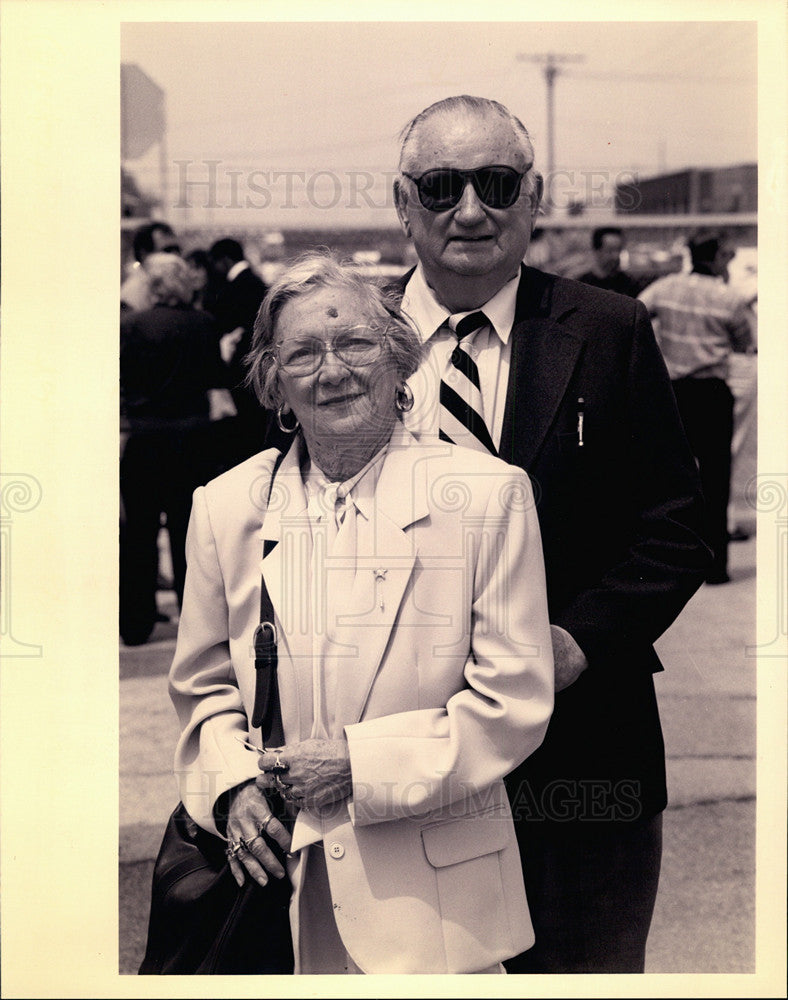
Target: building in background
[693,191]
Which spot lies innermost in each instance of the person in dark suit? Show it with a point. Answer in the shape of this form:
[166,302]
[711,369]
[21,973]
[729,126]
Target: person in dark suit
[237,296]
[169,363]
[571,386]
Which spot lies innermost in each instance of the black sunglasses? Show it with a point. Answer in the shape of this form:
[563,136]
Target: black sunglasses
[441,189]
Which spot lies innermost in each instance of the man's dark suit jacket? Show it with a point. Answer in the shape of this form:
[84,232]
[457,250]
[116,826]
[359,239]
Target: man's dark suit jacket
[236,304]
[619,516]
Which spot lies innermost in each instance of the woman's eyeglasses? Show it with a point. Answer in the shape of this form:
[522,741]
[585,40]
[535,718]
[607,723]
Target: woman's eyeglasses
[356,348]
[441,189]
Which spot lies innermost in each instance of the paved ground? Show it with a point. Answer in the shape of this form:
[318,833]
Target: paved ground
[705,914]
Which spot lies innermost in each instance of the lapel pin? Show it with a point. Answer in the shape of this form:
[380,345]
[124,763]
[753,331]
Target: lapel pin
[380,574]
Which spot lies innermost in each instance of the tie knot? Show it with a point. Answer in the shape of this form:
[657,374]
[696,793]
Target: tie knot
[470,323]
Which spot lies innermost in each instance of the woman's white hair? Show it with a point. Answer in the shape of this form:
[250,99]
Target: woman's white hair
[170,279]
[324,269]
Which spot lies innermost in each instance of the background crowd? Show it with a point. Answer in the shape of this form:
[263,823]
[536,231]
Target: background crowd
[185,414]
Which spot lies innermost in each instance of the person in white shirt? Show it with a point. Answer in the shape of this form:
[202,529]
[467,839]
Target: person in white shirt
[700,321]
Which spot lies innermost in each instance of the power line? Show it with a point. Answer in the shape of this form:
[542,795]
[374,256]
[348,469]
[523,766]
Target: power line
[660,78]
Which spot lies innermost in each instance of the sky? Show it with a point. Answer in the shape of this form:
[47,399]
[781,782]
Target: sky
[322,104]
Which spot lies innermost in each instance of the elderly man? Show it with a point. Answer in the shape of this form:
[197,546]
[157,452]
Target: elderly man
[566,381]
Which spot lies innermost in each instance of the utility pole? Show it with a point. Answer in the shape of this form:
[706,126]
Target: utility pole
[550,61]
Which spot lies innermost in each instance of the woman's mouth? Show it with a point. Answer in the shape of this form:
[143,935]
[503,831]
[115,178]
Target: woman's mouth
[342,400]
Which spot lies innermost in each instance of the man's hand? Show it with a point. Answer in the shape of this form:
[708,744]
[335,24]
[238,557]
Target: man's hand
[228,344]
[570,660]
[220,404]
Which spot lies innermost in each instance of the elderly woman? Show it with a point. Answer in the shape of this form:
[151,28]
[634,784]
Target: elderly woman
[415,663]
[169,363]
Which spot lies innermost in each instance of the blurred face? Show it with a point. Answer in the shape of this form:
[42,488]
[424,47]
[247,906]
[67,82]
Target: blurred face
[199,275]
[470,239]
[608,256]
[350,395]
[724,256]
[219,266]
[164,242]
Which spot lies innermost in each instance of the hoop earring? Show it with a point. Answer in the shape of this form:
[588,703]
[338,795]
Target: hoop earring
[285,430]
[403,398]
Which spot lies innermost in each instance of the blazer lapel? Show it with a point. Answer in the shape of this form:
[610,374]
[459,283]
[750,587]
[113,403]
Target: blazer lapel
[544,355]
[285,565]
[382,576]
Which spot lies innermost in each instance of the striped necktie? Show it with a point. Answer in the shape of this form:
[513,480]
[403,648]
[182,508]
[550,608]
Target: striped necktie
[462,413]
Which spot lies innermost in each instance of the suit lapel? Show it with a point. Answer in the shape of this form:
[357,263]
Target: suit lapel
[545,352]
[544,355]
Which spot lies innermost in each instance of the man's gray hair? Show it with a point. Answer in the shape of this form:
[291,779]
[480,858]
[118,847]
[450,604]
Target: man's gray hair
[464,104]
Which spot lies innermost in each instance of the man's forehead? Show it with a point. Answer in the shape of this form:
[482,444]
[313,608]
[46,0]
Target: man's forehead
[450,138]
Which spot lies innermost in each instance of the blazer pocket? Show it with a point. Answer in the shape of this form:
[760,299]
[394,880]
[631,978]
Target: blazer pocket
[466,856]
[450,843]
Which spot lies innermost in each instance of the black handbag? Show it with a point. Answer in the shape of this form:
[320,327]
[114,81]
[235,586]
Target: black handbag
[201,922]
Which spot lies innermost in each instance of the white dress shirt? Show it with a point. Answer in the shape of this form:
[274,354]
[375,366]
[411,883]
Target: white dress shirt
[490,348]
[341,519]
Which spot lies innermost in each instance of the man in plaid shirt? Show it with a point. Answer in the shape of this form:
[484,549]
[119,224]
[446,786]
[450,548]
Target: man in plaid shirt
[698,321]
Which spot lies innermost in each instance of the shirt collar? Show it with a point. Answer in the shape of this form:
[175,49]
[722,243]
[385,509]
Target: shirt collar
[423,309]
[235,270]
[358,490]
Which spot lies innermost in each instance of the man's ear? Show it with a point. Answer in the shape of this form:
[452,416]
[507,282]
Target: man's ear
[401,203]
[536,197]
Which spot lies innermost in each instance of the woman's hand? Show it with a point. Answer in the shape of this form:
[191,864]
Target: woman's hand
[248,817]
[313,774]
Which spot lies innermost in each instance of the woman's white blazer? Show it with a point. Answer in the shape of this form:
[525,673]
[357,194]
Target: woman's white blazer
[449,686]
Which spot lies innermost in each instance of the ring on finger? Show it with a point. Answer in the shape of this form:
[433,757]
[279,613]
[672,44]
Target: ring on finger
[234,847]
[263,827]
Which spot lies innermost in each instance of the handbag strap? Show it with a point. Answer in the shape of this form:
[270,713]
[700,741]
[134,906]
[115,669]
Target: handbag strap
[267,713]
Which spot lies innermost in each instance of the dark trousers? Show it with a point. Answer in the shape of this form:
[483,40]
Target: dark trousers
[706,408]
[159,471]
[591,888]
